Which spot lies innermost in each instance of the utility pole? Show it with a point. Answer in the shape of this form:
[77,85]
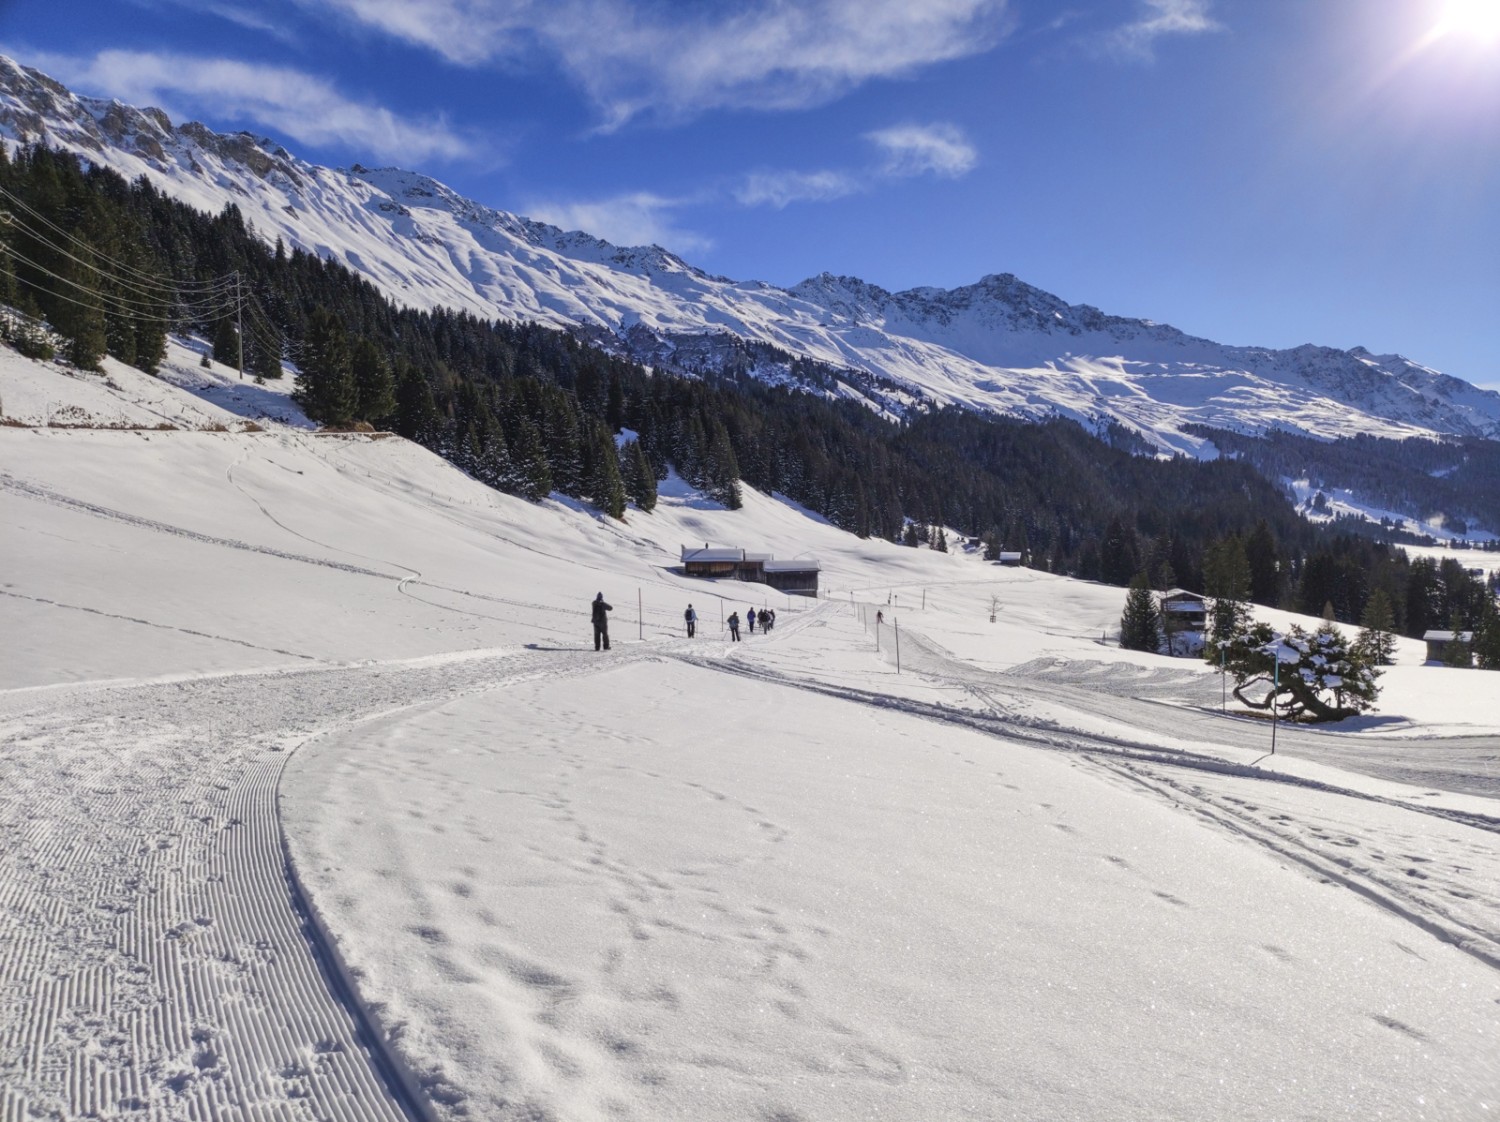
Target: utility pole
[239,321]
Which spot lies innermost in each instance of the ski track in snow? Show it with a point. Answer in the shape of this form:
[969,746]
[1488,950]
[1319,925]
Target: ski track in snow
[164,962]
[1450,901]
[172,971]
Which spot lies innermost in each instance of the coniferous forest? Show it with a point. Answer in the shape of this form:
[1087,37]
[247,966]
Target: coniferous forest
[114,267]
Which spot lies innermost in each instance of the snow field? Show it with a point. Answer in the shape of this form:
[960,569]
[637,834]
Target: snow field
[701,895]
[1161,906]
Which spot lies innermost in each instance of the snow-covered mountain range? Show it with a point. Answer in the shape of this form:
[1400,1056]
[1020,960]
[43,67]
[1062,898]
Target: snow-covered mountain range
[999,344]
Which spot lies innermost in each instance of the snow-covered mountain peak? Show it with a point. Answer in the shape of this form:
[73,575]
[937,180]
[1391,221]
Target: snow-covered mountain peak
[998,344]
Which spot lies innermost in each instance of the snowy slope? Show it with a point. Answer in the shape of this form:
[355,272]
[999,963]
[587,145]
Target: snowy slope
[999,344]
[283,713]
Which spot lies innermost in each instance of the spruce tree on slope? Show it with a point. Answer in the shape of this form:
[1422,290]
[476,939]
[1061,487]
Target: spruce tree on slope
[1377,637]
[325,378]
[1140,625]
[374,386]
[1487,635]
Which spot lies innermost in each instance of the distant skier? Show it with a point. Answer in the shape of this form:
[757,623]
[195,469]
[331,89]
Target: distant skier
[601,622]
[691,617]
[734,626]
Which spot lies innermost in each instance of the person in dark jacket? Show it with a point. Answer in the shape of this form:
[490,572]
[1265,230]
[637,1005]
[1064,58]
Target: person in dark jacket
[734,626]
[750,616]
[601,622]
[691,618]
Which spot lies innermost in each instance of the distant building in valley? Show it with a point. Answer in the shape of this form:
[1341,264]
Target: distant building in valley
[725,563]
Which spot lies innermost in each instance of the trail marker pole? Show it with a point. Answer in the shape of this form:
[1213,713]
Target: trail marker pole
[898,646]
[1223,681]
[924,599]
[640,616]
[1276,679]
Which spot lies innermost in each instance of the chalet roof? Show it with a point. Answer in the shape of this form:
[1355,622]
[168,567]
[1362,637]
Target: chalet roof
[1447,636]
[1183,594]
[720,554]
[1186,607]
[804,566]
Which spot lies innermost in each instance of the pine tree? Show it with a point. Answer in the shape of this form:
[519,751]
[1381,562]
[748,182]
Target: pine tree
[1140,625]
[373,385]
[417,417]
[532,472]
[1487,635]
[1226,575]
[640,480]
[77,312]
[1377,639]
[1261,559]
[325,380]
[226,341]
[721,471]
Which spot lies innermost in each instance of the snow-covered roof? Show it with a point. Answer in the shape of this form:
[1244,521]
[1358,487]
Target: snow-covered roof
[1183,594]
[804,566]
[719,554]
[1447,636]
[1186,607]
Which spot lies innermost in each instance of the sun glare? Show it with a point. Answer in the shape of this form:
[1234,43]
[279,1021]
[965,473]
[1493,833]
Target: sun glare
[1474,21]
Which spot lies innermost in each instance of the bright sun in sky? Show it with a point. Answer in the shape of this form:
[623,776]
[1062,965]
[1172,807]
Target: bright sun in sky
[1477,21]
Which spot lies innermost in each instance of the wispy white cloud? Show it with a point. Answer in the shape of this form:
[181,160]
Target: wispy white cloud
[674,60]
[639,218]
[1137,40]
[939,149]
[296,104]
[781,188]
[907,150]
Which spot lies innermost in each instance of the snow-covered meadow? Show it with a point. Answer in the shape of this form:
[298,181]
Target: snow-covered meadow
[318,803]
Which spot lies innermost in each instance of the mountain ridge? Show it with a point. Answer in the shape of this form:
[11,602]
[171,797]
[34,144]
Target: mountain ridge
[998,344]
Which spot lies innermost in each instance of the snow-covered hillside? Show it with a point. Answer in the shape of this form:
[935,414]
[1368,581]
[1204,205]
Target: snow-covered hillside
[999,344]
[318,803]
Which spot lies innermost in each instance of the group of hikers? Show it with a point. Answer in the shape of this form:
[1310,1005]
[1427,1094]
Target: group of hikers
[766,617]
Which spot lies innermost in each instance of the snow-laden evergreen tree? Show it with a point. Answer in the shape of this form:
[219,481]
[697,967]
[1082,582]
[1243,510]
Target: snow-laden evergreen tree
[601,469]
[1140,624]
[640,480]
[1320,677]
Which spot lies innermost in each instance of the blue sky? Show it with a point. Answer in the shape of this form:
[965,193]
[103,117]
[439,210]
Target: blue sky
[1255,171]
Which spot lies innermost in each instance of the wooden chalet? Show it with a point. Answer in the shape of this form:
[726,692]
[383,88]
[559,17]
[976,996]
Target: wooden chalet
[1438,643]
[726,563]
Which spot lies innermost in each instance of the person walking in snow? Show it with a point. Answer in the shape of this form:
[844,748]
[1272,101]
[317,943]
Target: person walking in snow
[692,621]
[750,616]
[734,626]
[772,614]
[765,622]
[601,622]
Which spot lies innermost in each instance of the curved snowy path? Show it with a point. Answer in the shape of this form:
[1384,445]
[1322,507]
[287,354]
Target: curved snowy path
[691,891]
[148,924]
